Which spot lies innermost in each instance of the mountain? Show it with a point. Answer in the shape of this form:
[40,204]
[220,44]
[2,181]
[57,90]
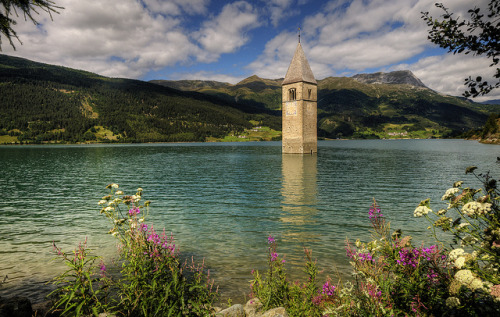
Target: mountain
[42,103]
[47,103]
[395,104]
[491,102]
[401,77]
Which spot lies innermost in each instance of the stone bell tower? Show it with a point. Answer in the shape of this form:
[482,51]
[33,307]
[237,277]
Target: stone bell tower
[299,107]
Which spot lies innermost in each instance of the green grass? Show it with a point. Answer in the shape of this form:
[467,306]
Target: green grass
[254,134]
[7,139]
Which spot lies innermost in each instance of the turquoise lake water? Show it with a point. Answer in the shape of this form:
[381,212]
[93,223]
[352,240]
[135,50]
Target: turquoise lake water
[221,200]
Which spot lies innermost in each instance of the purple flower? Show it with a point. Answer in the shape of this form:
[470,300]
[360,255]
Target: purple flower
[134,210]
[274,255]
[144,227]
[270,239]
[365,257]
[374,213]
[328,289]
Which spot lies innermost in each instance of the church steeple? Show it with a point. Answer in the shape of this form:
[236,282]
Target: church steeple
[299,69]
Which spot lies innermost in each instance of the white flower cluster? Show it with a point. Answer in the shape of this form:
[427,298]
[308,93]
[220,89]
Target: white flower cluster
[421,210]
[452,302]
[450,193]
[455,254]
[474,208]
[465,277]
[460,262]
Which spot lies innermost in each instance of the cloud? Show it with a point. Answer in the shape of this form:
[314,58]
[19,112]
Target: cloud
[227,32]
[446,73]
[349,37]
[129,38]
[353,35]
[279,10]
[177,7]
[108,37]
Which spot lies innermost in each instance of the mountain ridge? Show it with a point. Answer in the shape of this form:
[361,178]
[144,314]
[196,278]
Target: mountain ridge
[47,103]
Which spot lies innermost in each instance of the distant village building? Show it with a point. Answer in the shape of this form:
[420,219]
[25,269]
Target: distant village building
[299,107]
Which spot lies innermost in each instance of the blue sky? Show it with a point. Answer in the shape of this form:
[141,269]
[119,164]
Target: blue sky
[231,40]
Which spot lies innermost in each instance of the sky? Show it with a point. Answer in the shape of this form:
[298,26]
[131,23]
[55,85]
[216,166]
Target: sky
[231,40]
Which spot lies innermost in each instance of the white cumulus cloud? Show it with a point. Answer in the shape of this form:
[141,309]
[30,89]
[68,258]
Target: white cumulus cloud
[226,32]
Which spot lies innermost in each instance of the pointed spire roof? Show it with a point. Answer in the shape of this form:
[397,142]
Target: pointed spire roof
[299,69]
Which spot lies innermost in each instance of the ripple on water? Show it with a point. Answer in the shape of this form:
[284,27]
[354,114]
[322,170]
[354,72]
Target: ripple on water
[220,201]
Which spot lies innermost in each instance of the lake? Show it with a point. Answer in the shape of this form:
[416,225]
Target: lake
[222,200]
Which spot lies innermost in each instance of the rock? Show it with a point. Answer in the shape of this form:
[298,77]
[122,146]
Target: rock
[275,312]
[233,311]
[253,308]
[15,307]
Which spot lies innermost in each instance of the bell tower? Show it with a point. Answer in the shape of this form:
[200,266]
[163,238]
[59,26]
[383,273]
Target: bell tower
[299,92]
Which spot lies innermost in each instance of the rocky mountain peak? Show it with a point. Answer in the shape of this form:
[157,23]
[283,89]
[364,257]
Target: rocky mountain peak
[396,77]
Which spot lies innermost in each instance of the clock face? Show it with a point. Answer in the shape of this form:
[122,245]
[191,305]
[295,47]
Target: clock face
[291,108]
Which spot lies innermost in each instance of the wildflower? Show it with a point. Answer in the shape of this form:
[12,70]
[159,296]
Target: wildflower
[465,277]
[460,262]
[441,212]
[455,254]
[270,239]
[427,252]
[114,185]
[274,255]
[144,227]
[108,208]
[136,198]
[495,292]
[328,289]
[102,267]
[408,257]
[365,257]
[119,192]
[452,302]
[458,184]
[358,243]
[450,193]
[134,211]
[443,222]
[475,208]
[421,211]
[374,212]
[139,189]
[101,202]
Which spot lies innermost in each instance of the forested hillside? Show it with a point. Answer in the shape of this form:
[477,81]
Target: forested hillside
[381,105]
[40,103]
[45,103]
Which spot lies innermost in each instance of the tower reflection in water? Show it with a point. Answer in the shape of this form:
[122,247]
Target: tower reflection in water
[299,205]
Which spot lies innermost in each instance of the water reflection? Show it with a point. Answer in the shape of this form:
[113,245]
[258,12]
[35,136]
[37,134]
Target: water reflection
[299,193]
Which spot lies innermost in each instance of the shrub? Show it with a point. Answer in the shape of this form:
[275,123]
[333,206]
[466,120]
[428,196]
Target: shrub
[153,280]
[274,290]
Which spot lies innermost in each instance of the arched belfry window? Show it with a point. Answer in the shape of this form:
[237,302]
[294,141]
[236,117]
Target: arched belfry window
[292,94]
